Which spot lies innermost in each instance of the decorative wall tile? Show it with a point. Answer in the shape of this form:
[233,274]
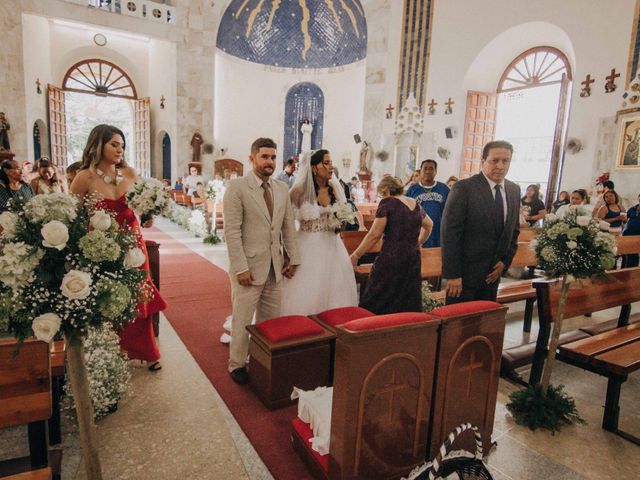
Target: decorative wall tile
[304,100]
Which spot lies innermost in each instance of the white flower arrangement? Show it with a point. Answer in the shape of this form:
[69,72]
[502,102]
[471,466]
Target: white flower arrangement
[340,214]
[107,369]
[197,223]
[210,193]
[8,222]
[148,198]
[53,262]
[575,245]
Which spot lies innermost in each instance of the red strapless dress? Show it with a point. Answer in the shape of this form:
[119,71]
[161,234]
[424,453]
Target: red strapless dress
[136,338]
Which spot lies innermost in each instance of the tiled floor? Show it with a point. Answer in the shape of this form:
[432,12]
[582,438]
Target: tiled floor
[174,425]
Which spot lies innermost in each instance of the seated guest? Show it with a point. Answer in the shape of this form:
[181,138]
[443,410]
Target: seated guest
[578,197]
[607,186]
[563,199]
[166,183]
[532,208]
[611,212]
[191,181]
[72,170]
[178,186]
[199,190]
[395,283]
[451,181]
[46,180]
[11,184]
[632,227]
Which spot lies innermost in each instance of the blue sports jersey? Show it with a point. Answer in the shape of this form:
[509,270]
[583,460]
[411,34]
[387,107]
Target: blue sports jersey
[432,201]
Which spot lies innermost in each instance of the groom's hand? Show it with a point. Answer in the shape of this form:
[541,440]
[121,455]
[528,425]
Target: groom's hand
[245,279]
[289,271]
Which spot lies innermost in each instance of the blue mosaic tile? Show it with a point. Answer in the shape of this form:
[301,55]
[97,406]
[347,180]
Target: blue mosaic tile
[294,33]
[304,100]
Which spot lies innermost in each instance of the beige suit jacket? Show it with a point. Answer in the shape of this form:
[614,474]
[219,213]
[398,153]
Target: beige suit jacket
[253,239]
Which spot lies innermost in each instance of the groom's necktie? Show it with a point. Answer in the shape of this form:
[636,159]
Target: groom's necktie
[499,209]
[268,199]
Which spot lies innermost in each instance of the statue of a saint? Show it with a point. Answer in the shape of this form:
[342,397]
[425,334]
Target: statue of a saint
[306,130]
[196,145]
[365,158]
[4,133]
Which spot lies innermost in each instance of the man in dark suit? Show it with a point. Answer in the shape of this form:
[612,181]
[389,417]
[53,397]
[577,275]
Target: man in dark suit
[480,228]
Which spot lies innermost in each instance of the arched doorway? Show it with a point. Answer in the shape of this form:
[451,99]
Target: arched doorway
[166,156]
[37,147]
[532,111]
[304,100]
[96,91]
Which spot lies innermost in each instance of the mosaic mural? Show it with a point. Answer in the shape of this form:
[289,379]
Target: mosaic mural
[294,33]
[634,50]
[414,56]
[304,100]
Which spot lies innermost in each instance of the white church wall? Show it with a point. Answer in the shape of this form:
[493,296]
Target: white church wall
[250,102]
[594,35]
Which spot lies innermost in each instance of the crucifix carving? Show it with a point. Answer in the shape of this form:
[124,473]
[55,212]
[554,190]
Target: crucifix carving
[586,90]
[39,90]
[392,388]
[470,368]
[449,103]
[432,106]
[611,86]
[390,108]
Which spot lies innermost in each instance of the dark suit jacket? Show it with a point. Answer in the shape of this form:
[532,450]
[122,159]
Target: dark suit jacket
[468,238]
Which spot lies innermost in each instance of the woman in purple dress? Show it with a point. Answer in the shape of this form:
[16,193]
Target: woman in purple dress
[395,281]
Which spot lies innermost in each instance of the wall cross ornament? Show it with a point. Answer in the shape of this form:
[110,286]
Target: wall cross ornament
[611,86]
[432,106]
[586,89]
[162,99]
[38,89]
[449,103]
[390,108]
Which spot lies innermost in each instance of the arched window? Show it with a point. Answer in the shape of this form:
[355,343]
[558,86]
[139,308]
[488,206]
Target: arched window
[536,67]
[304,100]
[99,77]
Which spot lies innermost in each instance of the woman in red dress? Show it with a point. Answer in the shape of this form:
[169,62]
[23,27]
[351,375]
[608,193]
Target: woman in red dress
[105,174]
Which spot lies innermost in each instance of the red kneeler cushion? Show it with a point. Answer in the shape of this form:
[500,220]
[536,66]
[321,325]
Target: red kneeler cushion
[304,431]
[387,321]
[340,316]
[465,308]
[281,329]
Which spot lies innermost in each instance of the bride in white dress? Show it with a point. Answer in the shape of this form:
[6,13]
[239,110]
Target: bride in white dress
[324,279]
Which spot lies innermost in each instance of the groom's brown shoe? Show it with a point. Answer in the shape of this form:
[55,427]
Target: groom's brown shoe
[240,375]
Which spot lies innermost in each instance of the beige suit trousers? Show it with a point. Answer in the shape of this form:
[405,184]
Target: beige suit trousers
[263,300]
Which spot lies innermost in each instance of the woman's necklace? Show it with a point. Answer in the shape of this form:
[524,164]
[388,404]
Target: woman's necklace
[107,178]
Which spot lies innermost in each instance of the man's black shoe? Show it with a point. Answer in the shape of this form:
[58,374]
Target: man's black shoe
[240,375]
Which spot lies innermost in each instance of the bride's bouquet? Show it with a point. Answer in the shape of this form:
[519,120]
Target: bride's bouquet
[341,213]
[148,198]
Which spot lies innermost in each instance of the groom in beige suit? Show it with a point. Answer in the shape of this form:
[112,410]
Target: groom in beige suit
[261,242]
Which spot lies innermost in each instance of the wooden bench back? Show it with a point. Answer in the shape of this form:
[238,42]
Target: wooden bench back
[628,245]
[352,239]
[617,287]
[25,382]
[527,234]
[524,257]
[431,262]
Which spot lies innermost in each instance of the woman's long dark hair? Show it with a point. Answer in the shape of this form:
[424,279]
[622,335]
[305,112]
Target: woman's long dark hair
[4,178]
[44,162]
[316,159]
[536,192]
[99,136]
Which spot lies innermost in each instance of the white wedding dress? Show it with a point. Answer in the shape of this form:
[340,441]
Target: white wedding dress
[324,279]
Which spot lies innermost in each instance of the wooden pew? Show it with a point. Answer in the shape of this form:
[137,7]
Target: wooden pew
[627,245]
[25,383]
[352,239]
[527,234]
[368,220]
[40,474]
[614,354]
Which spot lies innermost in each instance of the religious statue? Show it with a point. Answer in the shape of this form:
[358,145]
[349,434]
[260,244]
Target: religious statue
[196,145]
[306,130]
[366,154]
[4,133]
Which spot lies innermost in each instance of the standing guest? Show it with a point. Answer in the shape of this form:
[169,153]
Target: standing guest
[632,227]
[480,228]
[451,181]
[11,184]
[288,175]
[358,193]
[532,208]
[72,171]
[432,197]
[395,283]
[607,186]
[578,197]
[563,199]
[261,242]
[612,212]
[47,179]
[105,175]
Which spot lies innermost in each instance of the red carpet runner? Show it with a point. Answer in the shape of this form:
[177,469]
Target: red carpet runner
[199,298]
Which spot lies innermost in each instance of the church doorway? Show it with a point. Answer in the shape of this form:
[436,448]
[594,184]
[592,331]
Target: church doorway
[96,91]
[532,106]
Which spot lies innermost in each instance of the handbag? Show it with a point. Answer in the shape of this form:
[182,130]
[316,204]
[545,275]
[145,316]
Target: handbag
[466,465]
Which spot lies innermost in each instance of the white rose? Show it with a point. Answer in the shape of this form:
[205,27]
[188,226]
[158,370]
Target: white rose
[550,217]
[572,245]
[533,244]
[583,220]
[46,326]
[604,226]
[55,234]
[8,223]
[134,258]
[100,220]
[76,285]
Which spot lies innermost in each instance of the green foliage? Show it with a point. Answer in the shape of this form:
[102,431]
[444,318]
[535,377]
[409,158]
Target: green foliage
[531,408]
[212,239]
[429,302]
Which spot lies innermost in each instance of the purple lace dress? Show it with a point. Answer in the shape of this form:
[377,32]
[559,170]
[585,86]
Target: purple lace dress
[395,281]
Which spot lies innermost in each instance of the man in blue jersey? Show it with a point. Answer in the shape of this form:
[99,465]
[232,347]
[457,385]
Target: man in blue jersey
[431,196]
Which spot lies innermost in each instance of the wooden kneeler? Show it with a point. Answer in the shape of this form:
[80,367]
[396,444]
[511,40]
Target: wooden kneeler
[287,352]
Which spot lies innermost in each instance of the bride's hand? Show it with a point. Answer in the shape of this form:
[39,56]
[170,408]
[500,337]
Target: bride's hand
[354,260]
